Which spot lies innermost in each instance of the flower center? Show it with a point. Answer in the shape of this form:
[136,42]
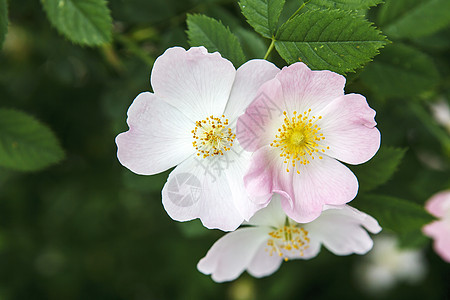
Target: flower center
[298,139]
[212,136]
[288,239]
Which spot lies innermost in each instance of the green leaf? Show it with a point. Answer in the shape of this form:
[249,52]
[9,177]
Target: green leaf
[413,18]
[343,4]
[208,32]
[3,20]
[400,71]
[25,143]
[334,40]
[262,15]
[379,169]
[252,43]
[401,216]
[86,22]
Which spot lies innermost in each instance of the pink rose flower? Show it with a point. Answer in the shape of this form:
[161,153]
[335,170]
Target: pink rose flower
[298,127]
[272,237]
[439,231]
[189,122]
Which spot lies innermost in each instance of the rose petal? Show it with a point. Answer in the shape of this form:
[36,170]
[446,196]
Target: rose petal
[232,253]
[348,126]
[199,188]
[304,89]
[295,88]
[194,81]
[341,232]
[439,204]
[259,124]
[312,250]
[322,181]
[264,264]
[258,180]
[238,162]
[440,232]
[357,216]
[158,139]
[271,216]
[249,77]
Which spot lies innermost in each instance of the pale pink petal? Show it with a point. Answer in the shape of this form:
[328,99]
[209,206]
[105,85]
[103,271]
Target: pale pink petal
[312,250]
[357,216]
[264,264]
[440,232]
[258,179]
[439,204]
[259,124]
[199,188]
[237,164]
[295,88]
[232,253]
[198,83]
[348,126]
[304,89]
[249,77]
[341,230]
[322,181]
[271,216]
[159,136]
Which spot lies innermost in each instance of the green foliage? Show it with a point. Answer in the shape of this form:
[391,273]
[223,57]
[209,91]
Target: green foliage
[343,4]
[85,22]
[25,143]
[413,18]
[193,229]
[403,217]
[138,11]
[329,40]
[252,44]
[262,15]
[379,169]
[140,183]
[399,71]
[3,20]
[208,32]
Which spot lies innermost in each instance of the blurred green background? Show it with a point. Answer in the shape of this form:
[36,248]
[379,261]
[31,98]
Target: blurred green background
[87,228]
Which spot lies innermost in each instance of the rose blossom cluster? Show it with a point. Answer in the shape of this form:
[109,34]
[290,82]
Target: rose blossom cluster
[259,147]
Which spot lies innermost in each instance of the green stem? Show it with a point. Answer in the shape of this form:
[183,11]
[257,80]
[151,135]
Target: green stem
[134,48]
[272,44]
[297,11]
[286,222]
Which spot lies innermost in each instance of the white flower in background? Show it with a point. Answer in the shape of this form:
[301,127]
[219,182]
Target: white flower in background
[387,264]
[272,237]
[441,113]
[189,123]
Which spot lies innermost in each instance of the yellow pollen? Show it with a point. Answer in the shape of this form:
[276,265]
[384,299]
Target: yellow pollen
[298,139]
[212,136]
[289,239]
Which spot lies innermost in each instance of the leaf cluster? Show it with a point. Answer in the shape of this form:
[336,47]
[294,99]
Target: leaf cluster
[326,35]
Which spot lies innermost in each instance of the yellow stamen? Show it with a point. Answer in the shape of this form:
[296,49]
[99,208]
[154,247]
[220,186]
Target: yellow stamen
[212,136]
[298,139]
[289,239]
